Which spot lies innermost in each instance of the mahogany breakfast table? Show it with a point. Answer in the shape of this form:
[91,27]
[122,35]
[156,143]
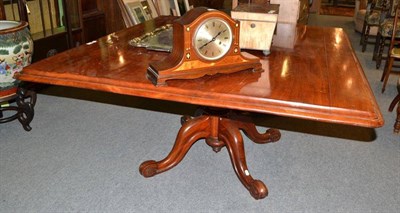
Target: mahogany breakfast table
[319,79]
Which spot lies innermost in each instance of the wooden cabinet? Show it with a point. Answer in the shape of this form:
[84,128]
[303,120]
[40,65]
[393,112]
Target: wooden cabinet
[87,20]
[113,16]
[2,11]
[93,19]
[57,25]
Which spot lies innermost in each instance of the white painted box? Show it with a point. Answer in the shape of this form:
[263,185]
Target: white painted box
[257,25]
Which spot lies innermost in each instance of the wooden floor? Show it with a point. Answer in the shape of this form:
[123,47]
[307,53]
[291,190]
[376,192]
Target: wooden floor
[336,11]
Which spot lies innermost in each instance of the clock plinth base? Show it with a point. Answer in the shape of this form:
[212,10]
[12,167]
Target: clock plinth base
[158,74]
[218,131]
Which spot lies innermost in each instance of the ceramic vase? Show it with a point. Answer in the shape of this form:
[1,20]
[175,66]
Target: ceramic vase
[16,49]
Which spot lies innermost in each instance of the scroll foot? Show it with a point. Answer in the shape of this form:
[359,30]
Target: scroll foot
[148,168]
[258,190]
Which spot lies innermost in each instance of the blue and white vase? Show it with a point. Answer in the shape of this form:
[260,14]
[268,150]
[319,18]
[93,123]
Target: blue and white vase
[16,49]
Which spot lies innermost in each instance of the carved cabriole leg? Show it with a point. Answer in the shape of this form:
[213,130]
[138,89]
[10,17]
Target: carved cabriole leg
[191,131]
[218,130]
[271,135]
[230,134]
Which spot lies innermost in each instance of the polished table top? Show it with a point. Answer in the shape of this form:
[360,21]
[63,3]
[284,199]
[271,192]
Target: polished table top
[319,79]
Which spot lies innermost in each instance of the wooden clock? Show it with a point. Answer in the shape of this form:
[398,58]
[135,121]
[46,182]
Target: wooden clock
[205,42]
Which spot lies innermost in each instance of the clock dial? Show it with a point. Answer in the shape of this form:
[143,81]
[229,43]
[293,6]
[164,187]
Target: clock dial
[212,39]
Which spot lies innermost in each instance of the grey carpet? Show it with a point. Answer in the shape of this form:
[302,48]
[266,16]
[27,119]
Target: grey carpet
[85,148]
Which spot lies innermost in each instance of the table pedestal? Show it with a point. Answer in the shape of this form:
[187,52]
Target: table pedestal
[219,129]
[24,112]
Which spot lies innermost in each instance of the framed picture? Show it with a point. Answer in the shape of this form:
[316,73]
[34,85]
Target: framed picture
[137,11]
[189,4]
[163,7]
[170,7]
[149,8]
[184,6]
[174,7]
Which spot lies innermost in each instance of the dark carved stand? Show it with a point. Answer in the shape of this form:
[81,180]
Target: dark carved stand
[395,101]
[219,128]
[25,100]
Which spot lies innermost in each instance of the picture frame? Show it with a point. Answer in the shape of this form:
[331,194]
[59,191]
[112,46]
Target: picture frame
[137,11]
[185,5]
[173,7]
[163,7]
[153,9]
[189,4]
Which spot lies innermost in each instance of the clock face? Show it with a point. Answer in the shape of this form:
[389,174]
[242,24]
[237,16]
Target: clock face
[212,39]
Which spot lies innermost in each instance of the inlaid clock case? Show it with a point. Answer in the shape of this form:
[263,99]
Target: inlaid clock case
[186,63]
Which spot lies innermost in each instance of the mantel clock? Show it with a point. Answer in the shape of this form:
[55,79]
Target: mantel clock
[205,42]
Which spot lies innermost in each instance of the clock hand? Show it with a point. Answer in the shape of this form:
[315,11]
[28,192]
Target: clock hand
[202,46]
[218,34]
[212,40]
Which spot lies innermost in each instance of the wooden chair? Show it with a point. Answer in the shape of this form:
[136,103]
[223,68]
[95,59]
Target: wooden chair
[394,50]
[372,19]
[395,101]
[385,31]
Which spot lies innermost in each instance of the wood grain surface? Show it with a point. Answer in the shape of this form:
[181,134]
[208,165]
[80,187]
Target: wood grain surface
[319,79]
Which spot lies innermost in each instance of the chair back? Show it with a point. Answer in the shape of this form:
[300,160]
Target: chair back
[392,7]
[389,8]
[393,40]
[378,4]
